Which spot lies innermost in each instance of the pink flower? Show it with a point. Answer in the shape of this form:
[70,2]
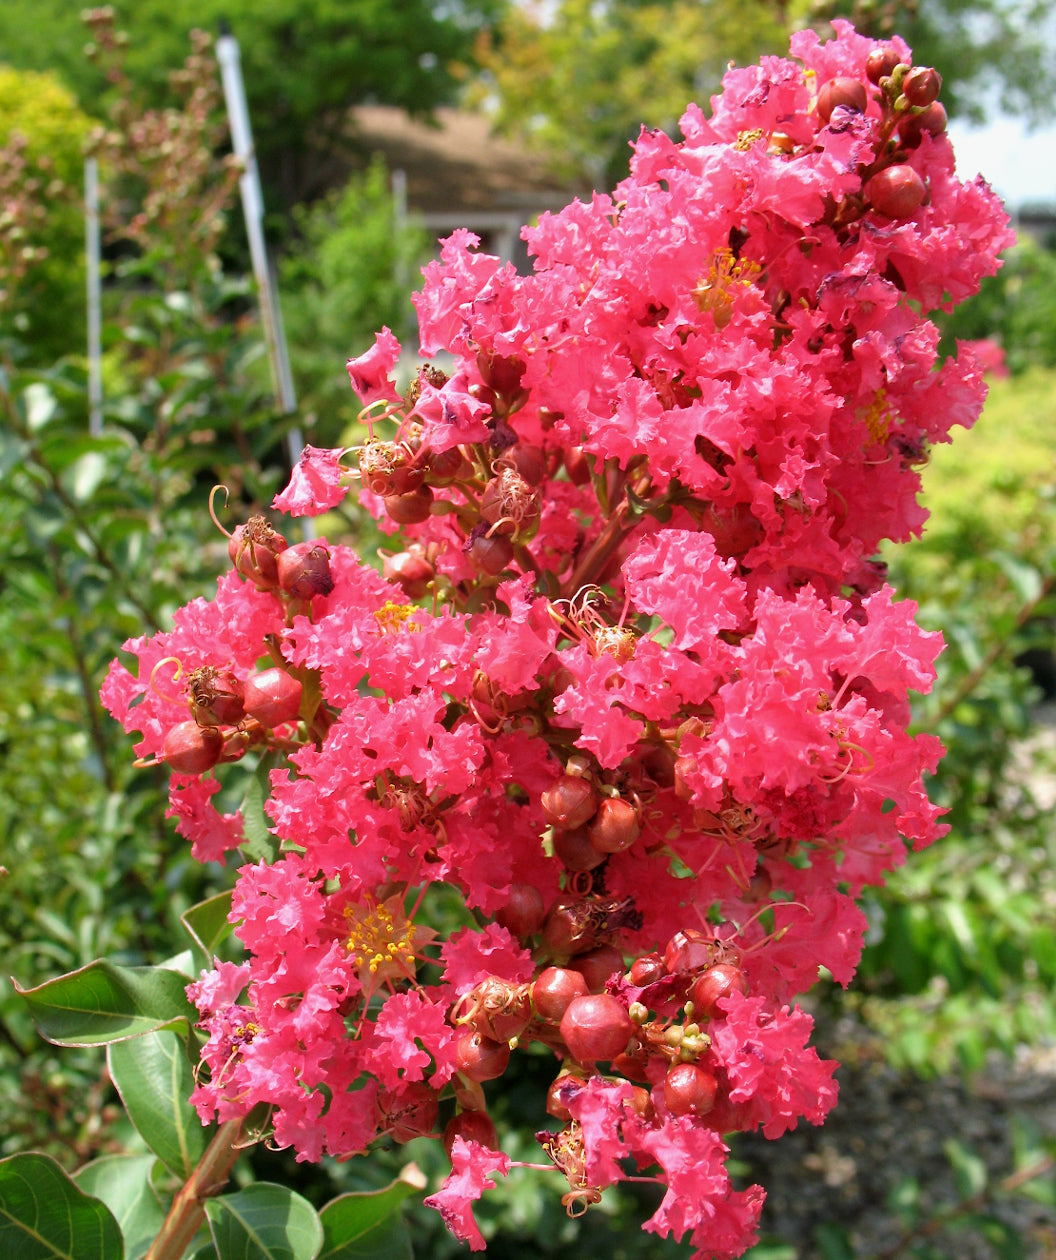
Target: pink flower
[464,1184]
[369,373]
[315,484]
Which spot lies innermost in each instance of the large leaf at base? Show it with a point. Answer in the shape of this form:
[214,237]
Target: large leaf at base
[101,1003]
[123,1182]
[264,1222]
[368,1226]
[44,1216]
[154,1077]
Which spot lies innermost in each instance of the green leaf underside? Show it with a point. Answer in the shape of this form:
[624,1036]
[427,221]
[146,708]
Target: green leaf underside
[207,925]
[44,1216]
[101,1003]
[155,1078]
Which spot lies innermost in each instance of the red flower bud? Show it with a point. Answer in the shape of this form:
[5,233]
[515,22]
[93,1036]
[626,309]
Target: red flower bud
[217,697]
[596,1027]
[530,462]
[577,465]
[471,1126]
[932,120]
[446,466]
[615,826]
[715,983]
[522,915]
[689,1090]
[561,1092]
[500,373]
[411,508]
[491,554]
[480,1058]
[272,697]
[253,548]
[411,570]
[646,970]
[896,191]
[409,1113]
[304,570]
[193,749]
[922,85]
[847,92]
[880,64]
[689,950]
[575,850]
[569,928]
[569,802]
[596,965]
[554,989]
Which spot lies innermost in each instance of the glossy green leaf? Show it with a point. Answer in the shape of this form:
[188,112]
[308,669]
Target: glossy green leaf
[969,1171]
[44,1216]
[123,1183]
[264,1222]
[208,926]
[368,1226]
[101,1003]
[259,844]
[155,1078]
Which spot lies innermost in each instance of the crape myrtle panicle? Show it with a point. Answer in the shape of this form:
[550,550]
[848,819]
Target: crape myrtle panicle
[632,682]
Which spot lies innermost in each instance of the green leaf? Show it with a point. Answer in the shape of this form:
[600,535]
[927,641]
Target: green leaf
[101,1003]
[264,1222]
[833,1243]
[155,1078]
[259,844]
[40,405]
[44,1216]
[367,1225]
[123,1183]
[969,1171]
[208,926]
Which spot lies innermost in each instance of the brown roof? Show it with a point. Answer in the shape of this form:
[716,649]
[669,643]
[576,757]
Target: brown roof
[456,167]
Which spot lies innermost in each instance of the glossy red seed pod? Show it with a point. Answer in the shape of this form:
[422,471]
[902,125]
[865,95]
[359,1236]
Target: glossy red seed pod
[192,749]
[480,1058]
[304,570]
[689,1090]
[569,802]
[596,1027]
[597,965]
[553,991]
[577,465]
[713,984]
[615,826]
[273,696]
[471,1126]
[847,92]
[896,191]
[523,914]
[217,697]
[411,508]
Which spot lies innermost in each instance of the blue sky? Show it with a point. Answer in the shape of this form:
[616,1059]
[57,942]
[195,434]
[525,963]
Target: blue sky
[1020,165]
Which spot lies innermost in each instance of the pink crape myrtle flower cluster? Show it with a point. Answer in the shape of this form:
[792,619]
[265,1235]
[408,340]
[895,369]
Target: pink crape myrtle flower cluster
[631,682]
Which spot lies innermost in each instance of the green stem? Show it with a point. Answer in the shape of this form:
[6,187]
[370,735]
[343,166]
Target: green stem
[187,1213]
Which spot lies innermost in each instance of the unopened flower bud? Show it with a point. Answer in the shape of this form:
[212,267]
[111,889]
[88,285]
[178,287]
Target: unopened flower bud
[411,508]
[569,802]
[192,749]
[850,93]
[922,85]
[304,570]
[896,191]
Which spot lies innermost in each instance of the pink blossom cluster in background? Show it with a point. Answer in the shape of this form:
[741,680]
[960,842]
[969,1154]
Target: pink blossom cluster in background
[632,683]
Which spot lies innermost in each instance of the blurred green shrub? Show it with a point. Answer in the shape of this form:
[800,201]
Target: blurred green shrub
[1016,308]
[352,269]
[42,134]
[961,957]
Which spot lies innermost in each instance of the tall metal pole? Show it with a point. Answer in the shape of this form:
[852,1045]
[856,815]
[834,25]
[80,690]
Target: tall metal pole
[92,251]
[227,54]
